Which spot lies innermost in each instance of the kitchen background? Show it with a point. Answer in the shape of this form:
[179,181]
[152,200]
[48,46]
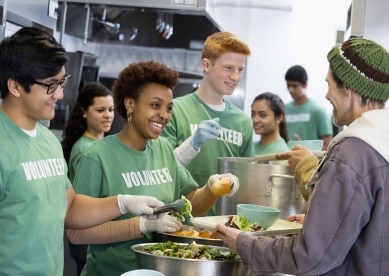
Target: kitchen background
[102,39]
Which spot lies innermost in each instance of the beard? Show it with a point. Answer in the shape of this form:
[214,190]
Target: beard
[335,122]
[335,119]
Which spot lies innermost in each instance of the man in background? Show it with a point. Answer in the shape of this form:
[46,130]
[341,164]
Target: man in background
[305,118]
[201,120]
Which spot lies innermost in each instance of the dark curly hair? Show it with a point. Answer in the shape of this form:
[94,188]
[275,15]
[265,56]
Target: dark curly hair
[76,125]
[135,77]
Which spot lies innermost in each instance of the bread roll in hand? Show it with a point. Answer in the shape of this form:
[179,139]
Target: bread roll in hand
[223,184]
[221,187]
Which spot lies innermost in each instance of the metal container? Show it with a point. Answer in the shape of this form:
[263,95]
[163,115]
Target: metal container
[189,267]
[164,237]
[262,184]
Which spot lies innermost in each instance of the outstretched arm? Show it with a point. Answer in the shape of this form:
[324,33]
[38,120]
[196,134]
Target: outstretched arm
[85,212]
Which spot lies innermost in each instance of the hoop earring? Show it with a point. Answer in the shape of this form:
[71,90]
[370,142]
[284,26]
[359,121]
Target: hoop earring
[129,117]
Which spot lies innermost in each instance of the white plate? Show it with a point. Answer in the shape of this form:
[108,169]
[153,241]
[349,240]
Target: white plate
[281,227]
[272,156]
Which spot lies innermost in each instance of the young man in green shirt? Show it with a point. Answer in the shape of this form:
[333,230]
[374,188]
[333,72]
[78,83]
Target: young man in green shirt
[36,197]
[305,118]
[196,138]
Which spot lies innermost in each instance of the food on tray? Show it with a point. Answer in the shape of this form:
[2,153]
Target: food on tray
[187,210]
[190,251]
[191,233]
[221,187]
[205,234]
[243,224]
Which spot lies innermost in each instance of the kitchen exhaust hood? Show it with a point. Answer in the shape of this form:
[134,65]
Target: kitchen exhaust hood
[183,24]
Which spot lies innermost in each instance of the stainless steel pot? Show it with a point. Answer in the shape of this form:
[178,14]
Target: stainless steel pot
[170,266]
[262,184]
[164,237]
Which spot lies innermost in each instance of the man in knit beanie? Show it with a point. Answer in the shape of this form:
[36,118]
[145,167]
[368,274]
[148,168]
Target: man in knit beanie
[306,119]
[345,227]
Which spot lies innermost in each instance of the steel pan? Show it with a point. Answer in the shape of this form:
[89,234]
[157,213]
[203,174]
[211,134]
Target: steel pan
[170,266]
[262,184]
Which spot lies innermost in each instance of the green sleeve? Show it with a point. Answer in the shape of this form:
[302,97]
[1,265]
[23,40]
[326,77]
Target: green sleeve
[187,183]
[89,178]
[323,122]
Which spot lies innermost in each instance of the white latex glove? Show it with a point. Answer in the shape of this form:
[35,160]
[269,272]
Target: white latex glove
[205,131]
[165,224]
[234,182]
[139,205]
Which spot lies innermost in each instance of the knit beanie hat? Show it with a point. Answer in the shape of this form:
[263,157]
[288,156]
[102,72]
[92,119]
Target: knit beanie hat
[363,66]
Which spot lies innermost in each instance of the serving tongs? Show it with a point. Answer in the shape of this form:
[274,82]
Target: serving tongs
[175,206]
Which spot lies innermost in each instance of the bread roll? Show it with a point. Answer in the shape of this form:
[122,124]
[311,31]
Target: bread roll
[192,233]
[183,233]
[221,187]
[205,234]
[213,235]
[177,233]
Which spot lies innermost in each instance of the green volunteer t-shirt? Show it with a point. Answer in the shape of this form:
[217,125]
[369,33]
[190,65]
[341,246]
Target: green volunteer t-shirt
[78,148]
[109,168]
[310,121]
[236,130]
[277,146]
[33,184]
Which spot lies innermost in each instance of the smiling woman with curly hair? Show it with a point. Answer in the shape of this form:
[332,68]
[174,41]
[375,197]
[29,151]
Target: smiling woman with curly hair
[137,161]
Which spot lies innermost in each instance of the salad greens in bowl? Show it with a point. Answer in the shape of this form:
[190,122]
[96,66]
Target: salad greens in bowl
[173,258]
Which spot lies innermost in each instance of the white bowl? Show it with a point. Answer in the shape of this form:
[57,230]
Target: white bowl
[310,144]
[143,272]
[279,162]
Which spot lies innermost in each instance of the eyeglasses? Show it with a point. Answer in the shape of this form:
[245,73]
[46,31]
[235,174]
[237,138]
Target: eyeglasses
[51,88]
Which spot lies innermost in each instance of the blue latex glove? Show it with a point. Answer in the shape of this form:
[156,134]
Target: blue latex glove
[206,130]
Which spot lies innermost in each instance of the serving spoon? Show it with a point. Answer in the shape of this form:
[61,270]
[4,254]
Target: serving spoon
[176,206]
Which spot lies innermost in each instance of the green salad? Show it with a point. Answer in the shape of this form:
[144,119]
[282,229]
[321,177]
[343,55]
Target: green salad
[190,251]
[243,224]
[186,211]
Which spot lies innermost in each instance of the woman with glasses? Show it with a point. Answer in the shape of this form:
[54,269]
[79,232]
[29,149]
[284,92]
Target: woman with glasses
[90,120]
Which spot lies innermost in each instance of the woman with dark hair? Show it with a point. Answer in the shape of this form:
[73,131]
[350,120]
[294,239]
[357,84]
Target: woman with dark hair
[90,120]
[268,115]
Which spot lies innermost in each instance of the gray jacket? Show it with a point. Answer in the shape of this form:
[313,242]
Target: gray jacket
[346,228]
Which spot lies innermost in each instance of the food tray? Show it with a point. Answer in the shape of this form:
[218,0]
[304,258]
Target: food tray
[273,156]
[280,227]
[164,237]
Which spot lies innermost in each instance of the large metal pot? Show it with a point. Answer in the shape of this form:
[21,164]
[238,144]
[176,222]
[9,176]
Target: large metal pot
[262,184]
[174,266]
